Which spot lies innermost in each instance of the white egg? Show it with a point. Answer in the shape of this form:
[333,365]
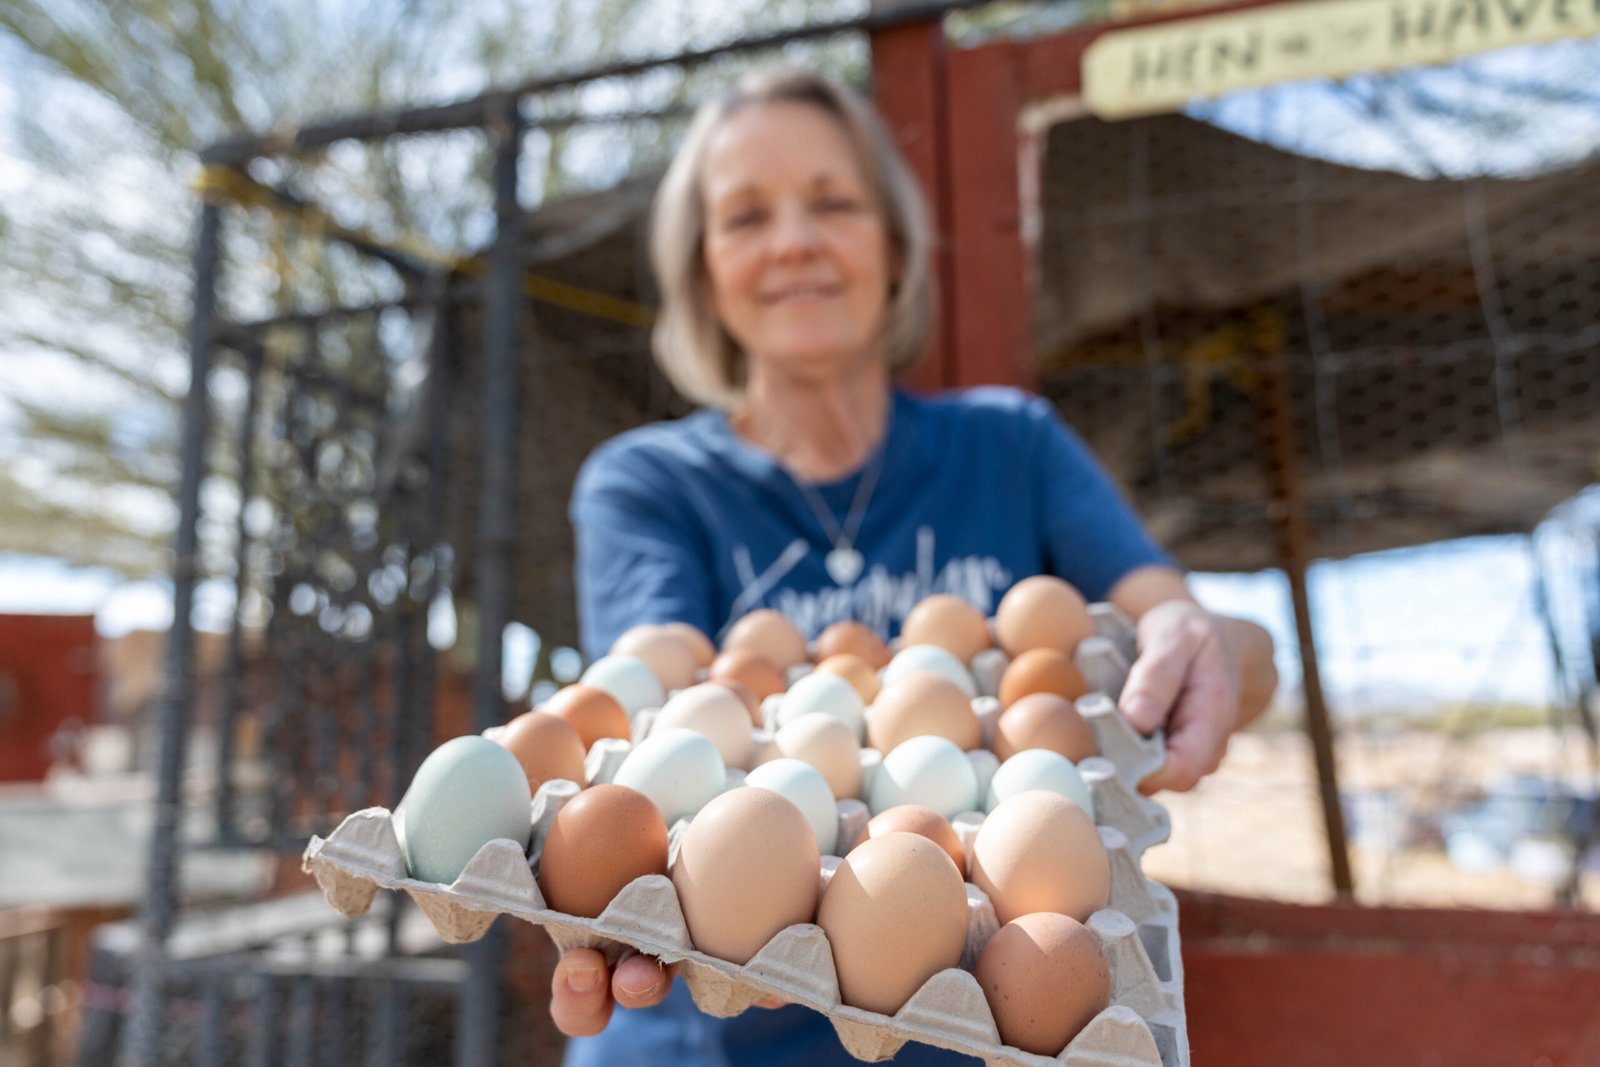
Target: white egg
[930,658]
[1039,768]
[801,783]
[931,771]
[829,694]
[468,792]
[678,769]
[627,678]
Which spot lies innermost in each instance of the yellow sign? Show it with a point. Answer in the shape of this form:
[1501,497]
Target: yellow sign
[1163,67]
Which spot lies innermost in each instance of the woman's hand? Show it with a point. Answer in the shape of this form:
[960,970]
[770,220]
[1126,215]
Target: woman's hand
[583,990]
[1186,679]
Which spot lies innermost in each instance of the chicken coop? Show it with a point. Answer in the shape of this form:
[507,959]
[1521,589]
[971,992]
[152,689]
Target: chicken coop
[1280,357]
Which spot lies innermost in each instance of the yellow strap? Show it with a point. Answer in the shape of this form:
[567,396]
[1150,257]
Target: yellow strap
[219,184]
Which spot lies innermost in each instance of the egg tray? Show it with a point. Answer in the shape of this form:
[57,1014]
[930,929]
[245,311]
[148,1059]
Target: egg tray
[1138,931]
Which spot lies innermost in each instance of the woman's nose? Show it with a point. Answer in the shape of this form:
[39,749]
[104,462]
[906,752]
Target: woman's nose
[795,232]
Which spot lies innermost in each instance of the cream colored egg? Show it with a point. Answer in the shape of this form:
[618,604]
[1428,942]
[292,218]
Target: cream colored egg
[895,913]
[1039,851]
[747,867]
[827,744]
[668,655]
[921,704]
[704,651]
[715,712]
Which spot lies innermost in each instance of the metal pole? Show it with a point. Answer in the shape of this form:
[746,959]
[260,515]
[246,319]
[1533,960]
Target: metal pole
[1287,514]
[464,114]
[227,714]
[478,1019]
[142,1043]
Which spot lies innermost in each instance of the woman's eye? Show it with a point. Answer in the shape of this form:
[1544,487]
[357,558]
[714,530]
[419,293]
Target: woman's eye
[836,203]
[740,219]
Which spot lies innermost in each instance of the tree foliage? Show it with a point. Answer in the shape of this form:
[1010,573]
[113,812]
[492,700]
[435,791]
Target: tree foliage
[103,107]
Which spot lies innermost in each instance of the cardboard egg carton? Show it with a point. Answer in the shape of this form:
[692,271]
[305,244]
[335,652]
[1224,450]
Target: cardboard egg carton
[1143,1027]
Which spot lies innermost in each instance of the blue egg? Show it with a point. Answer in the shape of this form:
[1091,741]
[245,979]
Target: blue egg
[468,792]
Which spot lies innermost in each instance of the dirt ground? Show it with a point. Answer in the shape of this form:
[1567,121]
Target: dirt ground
[1255,827]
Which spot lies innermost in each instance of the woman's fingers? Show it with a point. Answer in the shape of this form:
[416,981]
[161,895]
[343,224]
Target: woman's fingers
[580,993]
[1197,738]
[641,981]
[1184,662]
[1168,640]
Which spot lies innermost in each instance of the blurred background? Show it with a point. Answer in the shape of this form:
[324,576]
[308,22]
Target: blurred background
[1333,328]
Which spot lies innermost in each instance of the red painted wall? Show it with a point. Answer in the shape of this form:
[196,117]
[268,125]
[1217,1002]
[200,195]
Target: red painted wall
[954,113]
[47,676]
[1270,984]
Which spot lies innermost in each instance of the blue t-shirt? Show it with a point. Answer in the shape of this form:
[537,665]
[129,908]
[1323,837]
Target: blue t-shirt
[685,521]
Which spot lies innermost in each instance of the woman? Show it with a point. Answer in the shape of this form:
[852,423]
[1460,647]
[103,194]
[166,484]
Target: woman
[792,252]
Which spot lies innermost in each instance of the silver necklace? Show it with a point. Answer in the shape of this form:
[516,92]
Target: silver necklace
[844,562]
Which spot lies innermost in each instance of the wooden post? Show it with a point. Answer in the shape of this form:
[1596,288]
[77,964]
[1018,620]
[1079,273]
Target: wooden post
[909,90]
[1286,510]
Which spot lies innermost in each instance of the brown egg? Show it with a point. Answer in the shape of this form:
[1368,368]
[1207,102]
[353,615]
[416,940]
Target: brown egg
[855,670]
[747,868]
[1042,612]
[949,622]
[1038,851]
[599,841]
[923,703]
[827,744]
[916,819]
[704,651]
[1044,720]
[1041,670]
[855,638]
[594,713]
[713,711]
[670,658]
[895,913]
[547,746]
[1045,978]
[769,635]
[750,669]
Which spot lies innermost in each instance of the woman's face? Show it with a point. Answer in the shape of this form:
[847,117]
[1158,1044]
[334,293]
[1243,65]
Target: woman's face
[796,252]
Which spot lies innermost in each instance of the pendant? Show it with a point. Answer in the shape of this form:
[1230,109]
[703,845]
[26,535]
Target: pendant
[843,564]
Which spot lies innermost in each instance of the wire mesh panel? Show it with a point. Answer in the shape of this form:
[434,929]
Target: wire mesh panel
[338,560]
[1423,284]
[1438,336]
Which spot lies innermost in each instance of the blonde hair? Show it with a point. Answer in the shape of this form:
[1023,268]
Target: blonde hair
[691,346]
